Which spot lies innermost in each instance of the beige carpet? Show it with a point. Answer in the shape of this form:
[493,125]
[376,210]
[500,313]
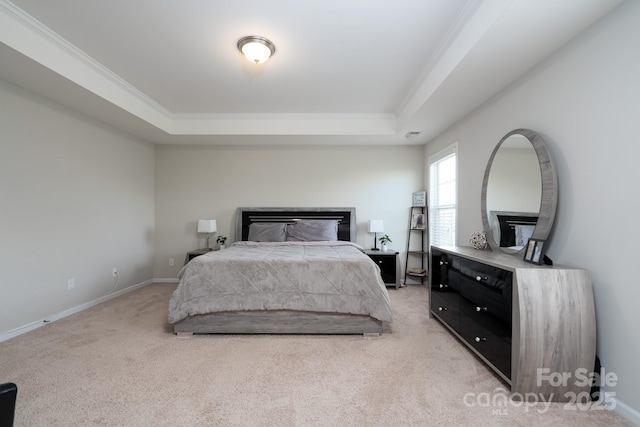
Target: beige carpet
[118,364]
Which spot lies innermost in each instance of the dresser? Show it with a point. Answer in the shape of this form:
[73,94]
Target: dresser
[531,324]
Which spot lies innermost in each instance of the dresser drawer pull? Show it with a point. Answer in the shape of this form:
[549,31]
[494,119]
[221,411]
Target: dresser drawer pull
[479,309]
[380,262]
[443,263]
[480,278]
[442,308]
[443,286]
[478,339]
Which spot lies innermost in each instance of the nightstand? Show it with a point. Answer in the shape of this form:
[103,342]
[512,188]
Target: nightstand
[389,264]
[195,253]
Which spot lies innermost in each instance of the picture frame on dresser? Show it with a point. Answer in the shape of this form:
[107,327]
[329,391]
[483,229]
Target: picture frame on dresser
[535,251]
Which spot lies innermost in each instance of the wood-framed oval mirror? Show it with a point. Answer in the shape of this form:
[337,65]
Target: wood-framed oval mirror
[519,192]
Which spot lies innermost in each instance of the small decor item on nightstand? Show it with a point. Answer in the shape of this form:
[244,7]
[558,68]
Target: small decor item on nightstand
[221,240]
[478,240]
[384,242]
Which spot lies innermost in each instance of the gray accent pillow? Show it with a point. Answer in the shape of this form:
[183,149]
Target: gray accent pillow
[259,232]
[313,231]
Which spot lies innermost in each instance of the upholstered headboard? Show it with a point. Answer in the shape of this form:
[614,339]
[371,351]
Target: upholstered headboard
[346,218]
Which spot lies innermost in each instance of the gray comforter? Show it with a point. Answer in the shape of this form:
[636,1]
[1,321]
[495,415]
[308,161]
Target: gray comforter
[332,277]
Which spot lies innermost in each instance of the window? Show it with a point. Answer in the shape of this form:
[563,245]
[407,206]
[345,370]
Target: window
[443,196]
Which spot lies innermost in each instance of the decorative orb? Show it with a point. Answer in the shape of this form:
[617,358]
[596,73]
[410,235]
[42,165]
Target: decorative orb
[478,240]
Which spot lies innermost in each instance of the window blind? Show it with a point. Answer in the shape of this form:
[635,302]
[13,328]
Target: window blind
[443,196]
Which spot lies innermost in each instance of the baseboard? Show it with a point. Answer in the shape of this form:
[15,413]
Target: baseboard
[37,324]
[165,280]
[622,409]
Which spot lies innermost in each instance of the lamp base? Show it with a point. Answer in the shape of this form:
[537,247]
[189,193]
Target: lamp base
[375,245]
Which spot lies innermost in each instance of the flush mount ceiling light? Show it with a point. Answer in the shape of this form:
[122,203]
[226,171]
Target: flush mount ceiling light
[257,49]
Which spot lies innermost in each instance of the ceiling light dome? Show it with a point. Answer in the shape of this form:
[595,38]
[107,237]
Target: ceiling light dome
[257,49]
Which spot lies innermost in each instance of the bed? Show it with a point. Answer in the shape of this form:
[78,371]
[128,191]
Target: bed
[512,229]
[290,271]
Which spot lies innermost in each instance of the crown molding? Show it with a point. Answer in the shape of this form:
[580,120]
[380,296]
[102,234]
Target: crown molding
[438,97]
[474,22]
[469,9]
[31,38]
[284,124]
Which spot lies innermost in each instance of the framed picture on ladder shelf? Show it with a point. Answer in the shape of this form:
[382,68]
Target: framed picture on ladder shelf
[418,222]
[420,198]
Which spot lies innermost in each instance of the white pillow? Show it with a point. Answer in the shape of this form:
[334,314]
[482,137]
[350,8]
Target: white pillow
[267,232]
[313,231]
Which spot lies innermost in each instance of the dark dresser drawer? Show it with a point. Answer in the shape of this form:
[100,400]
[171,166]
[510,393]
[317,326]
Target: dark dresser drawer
[445,272]
[445,291]
[446,310]
[492,346]
[487,287]
[484,317]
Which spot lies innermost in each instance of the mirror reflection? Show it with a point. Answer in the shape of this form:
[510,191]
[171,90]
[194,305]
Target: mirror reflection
[513,193]
[519,192]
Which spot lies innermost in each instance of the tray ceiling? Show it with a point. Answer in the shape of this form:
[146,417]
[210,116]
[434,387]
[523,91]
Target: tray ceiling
[345,72]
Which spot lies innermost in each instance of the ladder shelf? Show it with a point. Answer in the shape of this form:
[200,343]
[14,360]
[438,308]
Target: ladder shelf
[415,255]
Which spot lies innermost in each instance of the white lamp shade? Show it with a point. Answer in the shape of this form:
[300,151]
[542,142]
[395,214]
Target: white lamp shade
[207,226]
[376,226]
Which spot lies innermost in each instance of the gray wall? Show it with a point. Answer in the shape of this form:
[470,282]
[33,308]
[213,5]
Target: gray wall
[584,102]
[80,198]
[203,182]
[77,200]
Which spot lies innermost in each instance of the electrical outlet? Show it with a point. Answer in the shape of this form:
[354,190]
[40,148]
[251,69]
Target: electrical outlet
[171,261]
[71,283]
[114,272]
